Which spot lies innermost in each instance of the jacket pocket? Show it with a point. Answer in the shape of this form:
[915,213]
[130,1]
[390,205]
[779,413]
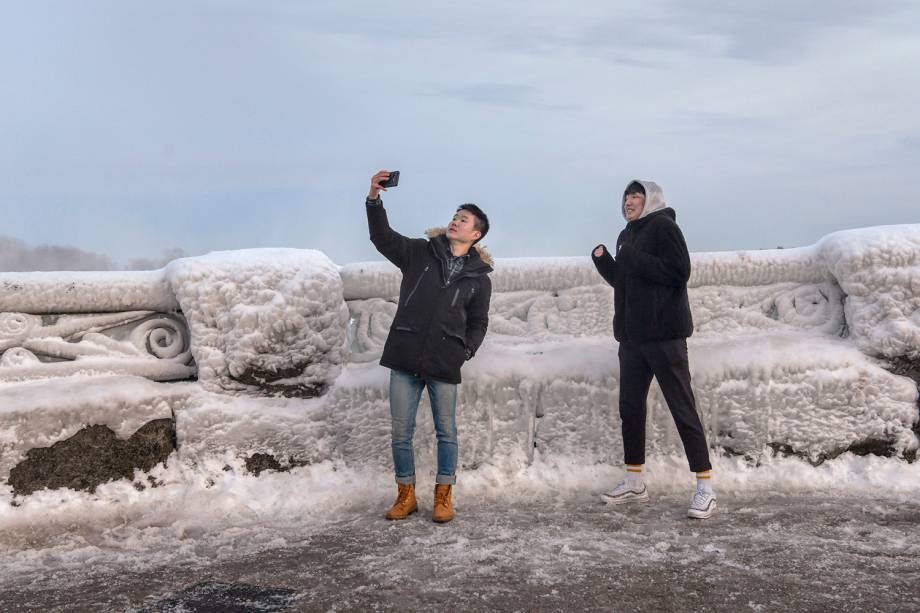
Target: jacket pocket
[463,295]
[458,338]
[417,283]
[452,354]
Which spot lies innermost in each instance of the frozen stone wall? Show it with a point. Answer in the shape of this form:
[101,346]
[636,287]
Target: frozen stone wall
[790,353]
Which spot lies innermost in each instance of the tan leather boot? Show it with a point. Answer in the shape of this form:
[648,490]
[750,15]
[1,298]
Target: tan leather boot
[443,511]
[405,504]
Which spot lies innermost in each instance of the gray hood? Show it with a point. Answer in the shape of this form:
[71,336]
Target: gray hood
[654,198]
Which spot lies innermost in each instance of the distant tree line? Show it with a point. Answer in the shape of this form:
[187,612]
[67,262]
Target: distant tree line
[17,256]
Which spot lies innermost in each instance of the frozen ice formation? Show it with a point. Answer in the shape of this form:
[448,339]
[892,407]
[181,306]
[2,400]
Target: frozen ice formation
[879,271]
[781,357]
[264,319]
[85,292]
[791,352]
[144,343]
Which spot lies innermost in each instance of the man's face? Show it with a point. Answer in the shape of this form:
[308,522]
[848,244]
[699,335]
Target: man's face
[633,206]
[463,227]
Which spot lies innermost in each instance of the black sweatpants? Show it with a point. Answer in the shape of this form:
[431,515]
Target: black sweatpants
[667,362]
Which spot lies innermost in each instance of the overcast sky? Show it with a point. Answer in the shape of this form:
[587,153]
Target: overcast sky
[131,128]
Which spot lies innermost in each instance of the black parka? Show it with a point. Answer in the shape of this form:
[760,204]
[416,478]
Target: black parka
[649,277]
[437,324]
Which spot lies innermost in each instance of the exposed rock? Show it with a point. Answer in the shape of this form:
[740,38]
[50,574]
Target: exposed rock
[259,462]
[906,367]
[883,448]
[268,383]
[93,456]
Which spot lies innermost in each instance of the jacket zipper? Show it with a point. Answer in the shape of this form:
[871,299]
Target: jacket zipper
[417,283]
[456,293]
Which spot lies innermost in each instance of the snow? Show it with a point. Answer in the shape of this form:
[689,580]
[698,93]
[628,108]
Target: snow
[273,314]
[764,267]
[365,280]
[216,426]
[817,399]
[85,292]
[879,270]
[215,512]
[41,413]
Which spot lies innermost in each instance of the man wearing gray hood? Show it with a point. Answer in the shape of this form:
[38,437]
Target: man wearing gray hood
[649,273]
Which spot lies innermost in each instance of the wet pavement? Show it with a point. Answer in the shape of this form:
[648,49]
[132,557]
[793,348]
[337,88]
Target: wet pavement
[758,553]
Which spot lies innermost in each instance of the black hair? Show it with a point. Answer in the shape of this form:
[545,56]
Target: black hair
[482,222]
[634,188]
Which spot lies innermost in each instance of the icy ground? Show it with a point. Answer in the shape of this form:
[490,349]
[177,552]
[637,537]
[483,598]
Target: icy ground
[788,536]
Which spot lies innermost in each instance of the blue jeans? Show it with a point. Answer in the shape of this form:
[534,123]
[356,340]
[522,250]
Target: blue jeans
[405,393]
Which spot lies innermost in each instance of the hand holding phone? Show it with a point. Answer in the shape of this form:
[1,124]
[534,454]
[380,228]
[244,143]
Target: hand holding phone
[381,181]
[392,181]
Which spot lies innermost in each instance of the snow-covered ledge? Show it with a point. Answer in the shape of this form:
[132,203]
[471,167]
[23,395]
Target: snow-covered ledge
[85,292]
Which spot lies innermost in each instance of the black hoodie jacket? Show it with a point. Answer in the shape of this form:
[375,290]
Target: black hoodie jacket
[649,278]
[438,324]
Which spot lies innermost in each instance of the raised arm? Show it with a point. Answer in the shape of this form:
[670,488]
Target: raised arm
[391,244]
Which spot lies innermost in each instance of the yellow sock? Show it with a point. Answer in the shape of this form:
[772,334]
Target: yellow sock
[634,472]
[704,480]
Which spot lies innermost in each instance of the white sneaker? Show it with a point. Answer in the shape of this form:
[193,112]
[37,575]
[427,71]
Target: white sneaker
[703,505]
[626,491]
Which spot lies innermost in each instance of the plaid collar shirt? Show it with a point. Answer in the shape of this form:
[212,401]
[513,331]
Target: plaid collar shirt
[455,265]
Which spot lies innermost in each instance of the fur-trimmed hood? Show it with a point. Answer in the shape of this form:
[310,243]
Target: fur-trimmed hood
[484,254]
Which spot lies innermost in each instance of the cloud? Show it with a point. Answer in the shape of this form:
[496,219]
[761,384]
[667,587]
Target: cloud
[909,142]
[781,31]
[729,123]
[503,94]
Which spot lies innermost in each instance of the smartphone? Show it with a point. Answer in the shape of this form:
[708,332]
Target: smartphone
[393,181]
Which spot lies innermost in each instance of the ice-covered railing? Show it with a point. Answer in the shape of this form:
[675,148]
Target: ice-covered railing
[85,292]
[534,297]
[56,324]
[790,351]
[270,319]
[365,280]
[860,283]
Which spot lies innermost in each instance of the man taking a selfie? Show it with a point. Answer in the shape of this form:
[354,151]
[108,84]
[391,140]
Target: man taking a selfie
[652,321]
[440,322]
